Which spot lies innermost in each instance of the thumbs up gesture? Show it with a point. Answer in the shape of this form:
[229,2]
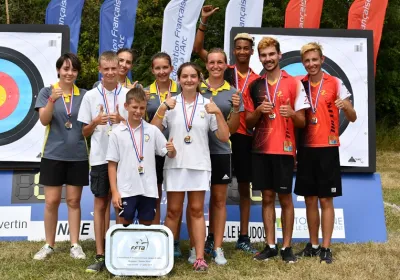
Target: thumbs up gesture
[265,107]
[212,108]
[286,110]
[56,92]
[101,118]
[339,103]
[171,102]
[115,117]
[236,101]
[171,148]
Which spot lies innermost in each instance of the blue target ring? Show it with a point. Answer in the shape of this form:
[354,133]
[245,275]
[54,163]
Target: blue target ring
[25,93]
[29,82]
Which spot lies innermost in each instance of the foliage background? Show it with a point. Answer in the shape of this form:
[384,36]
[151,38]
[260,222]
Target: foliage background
[147,40]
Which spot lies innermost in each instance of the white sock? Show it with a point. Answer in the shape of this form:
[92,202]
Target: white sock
[315,246]
[272,246]
[283,248]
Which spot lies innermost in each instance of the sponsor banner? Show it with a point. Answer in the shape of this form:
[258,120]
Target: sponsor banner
[66,12]
[15,220]
[179,30]
[303,13]
[241,13]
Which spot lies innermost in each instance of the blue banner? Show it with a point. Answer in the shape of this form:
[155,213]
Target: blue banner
[67,12]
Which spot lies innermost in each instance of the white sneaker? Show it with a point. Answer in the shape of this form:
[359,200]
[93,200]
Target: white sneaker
[43,253]
[192,256]
[76,252]
[218,256]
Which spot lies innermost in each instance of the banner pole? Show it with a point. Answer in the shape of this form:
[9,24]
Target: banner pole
[7,13]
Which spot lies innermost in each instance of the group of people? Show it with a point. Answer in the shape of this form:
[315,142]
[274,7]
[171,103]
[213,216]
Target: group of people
[184,136]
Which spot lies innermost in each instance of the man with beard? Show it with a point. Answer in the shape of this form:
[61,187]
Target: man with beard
[318,170]
[269,110]
[239,76]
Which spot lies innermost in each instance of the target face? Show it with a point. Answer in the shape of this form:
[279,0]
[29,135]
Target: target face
[349,57]
[20,81]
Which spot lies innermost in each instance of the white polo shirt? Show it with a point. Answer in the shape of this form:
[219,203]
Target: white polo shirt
[121,150]
[90,109]
[195,155]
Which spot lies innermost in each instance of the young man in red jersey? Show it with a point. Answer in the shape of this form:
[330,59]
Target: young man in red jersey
[318,169]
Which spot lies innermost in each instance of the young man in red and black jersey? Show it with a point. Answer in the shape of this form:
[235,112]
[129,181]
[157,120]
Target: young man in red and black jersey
[269,110]
[318,169]
[239,76]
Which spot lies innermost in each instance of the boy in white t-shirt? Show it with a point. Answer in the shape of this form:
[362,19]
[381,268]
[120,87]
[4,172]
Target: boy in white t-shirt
[131,161]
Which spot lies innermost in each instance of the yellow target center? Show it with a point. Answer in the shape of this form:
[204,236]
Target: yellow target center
[3,96]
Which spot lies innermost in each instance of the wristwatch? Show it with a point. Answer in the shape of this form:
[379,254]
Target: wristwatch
[168,108]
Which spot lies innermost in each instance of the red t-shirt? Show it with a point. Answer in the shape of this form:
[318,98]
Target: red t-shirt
[322,129]
[230,77]
[275,135]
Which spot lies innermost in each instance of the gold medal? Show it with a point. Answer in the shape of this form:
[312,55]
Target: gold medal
[272,116]
[141,169]
[68,125]
[188,139]
[314,120]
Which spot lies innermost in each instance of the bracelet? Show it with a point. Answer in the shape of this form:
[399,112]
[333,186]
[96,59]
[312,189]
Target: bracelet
[201,22]
[202,30]
[51,100]
[165,103]
[235,112]
[159,116]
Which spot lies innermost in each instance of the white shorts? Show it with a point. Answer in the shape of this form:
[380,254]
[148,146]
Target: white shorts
[186,180]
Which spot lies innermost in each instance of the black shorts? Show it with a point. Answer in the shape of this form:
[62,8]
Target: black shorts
[273,172]
[160,169]
[58,173]
[145,207]
[221,170]
[241,157]
[99,182]
[318,172]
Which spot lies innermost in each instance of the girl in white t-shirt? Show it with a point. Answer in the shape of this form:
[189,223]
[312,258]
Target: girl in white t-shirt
[188,123]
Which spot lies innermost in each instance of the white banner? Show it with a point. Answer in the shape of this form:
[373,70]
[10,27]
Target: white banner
[179,30]
[241,13]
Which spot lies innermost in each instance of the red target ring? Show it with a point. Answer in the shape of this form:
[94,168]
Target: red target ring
[9,95]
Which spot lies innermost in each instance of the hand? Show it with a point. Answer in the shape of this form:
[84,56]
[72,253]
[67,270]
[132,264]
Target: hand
[265,107]
[115,117]
[101,118]
[236,101]
[116,200]
[170,101]
[208,10]
[340,104]
[212,108]
[134,85]
[56,93]
[170,146]
[286,110]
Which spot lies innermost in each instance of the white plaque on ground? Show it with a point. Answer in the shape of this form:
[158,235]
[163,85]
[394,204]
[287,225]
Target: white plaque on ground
[139,250]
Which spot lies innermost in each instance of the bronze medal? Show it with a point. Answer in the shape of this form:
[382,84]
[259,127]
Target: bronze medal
[68,125]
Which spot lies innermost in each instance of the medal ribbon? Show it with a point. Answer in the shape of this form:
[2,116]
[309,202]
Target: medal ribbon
[159,93]
[237,80]
[314,106]
[69,111]
[188,123]
[275,91]
[105,101]
[138,152]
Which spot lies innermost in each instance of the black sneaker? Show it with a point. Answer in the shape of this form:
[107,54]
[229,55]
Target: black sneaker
[266,254]
[245,245]
[97,266]
[325,256]
[309,251]
[209,246]
[288,256]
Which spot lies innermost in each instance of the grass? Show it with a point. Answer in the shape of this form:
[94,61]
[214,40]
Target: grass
[352,261]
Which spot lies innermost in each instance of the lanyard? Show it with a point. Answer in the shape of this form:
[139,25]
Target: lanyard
[105,101]
[314,106]
[188,123]
[237,80]
[275,91]
[69,111]
[138,152]
[159,93]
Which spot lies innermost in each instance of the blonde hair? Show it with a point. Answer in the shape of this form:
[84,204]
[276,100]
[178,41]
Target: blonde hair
[269,42]
[108,56]
[313,46]
[217,50]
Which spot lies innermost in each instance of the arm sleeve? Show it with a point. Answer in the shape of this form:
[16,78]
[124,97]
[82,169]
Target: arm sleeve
[213,123]
[342,91]
[113,149]
[301,100]
[84,115]
[160,142]
[41,100]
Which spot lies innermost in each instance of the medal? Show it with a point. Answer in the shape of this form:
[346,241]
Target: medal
[188,139]
[189,122]
[275,91]
[159,93]
[272,116]
[237,80]
[138,148]
[109,131]
[287,146]
[68,125]
[314,120]
[106,106]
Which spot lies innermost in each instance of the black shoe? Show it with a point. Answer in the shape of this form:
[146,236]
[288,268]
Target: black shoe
[266,254]
[288,256]
[309,251]
[325,256]
[209,245]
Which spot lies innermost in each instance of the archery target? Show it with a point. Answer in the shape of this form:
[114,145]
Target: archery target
[27,64]
[347,59]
